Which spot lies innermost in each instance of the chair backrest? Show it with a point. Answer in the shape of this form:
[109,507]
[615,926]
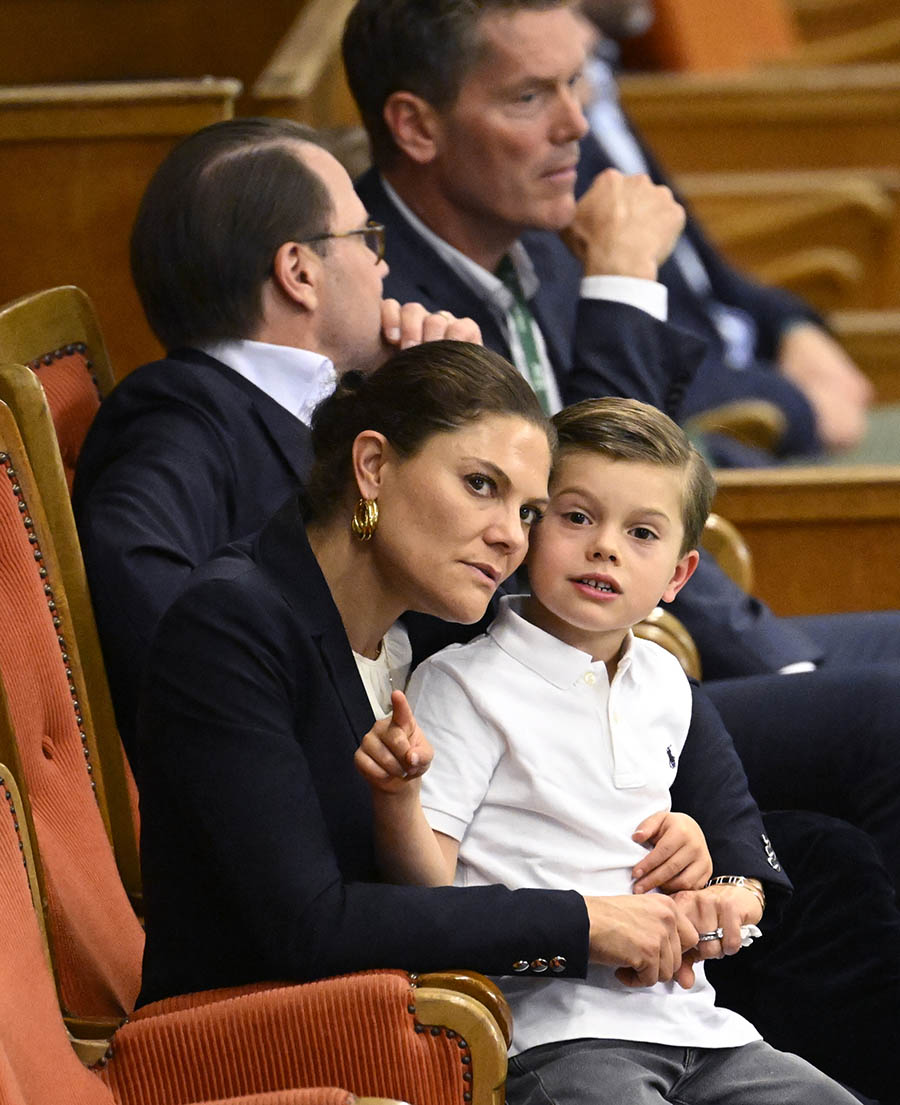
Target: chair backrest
[37,1064]
[21,390]
[666,630]
[55,332]
[723,541]
[95,938]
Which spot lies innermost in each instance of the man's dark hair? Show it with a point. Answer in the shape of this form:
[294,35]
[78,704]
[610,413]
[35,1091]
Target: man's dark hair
[211,221]
[420,46]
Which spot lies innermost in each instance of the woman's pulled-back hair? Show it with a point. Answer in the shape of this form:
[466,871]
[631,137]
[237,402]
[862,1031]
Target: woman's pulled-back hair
[625,429]
[436,387]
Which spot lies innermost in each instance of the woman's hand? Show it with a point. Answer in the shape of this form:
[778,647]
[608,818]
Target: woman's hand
[394,753]
[679,859]
[722,907]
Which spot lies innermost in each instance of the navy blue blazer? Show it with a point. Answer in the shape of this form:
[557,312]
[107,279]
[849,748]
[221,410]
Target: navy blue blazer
[183,456]
[596,347]
[257,836]
[772,310]
[600,348]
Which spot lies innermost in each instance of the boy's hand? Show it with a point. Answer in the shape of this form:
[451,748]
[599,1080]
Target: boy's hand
[679,859]
[394,752]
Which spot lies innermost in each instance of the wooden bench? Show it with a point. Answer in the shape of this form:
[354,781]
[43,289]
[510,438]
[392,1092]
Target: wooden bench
[817,118]
[824,540]
[76,160]
[762,219]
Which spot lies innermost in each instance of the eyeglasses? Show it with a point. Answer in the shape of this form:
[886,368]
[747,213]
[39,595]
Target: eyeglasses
[372,233]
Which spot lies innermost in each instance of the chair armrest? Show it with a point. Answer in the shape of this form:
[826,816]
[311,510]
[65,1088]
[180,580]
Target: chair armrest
[477,986]
[370,1032]
[665,630]
[756,422]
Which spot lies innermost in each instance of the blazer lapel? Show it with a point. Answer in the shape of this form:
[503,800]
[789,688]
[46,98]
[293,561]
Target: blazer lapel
[418,272]
[283,551]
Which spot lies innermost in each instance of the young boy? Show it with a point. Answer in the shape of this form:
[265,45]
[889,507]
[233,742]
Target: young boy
[558,733]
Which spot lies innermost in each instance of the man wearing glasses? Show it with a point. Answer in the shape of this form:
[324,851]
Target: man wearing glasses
[262,277]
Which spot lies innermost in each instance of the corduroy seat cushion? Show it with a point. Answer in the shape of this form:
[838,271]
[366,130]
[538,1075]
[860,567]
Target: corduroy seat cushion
[359,1030]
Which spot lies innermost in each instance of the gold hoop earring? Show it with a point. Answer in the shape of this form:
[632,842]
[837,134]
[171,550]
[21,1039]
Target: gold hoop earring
[365,519]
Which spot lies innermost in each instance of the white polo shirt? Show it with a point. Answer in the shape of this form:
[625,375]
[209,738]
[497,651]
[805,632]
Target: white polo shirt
[542,772]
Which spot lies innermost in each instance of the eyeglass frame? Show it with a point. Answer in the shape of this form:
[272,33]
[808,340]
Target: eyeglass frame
[374,228]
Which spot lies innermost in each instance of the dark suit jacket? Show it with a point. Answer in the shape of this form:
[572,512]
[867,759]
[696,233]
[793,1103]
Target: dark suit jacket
[596,347]
[599,348]
[771,309]
[256,831]
[183,456]
[257,840]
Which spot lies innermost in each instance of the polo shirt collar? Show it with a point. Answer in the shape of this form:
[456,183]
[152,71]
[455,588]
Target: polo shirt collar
[545,655]
[296,379]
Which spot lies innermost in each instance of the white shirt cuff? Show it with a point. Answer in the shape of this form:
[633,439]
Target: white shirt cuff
[647,295]
[794,669]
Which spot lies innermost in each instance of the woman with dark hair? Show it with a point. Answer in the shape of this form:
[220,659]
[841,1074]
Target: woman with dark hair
[258,836]
[257,842]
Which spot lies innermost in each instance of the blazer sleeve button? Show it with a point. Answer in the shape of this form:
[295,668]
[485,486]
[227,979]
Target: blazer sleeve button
[520,966]
[539,966]
[558,964]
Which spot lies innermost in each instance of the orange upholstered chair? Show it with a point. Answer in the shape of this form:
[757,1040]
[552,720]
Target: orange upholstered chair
[55,332]
[37,1063]
[368,1028]
[95,937]
[23,393]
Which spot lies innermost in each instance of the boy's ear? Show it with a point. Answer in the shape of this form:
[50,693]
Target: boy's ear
[684,569]
[414,125]
[370,451]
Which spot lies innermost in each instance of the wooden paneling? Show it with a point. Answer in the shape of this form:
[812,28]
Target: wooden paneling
[824,540]
[872,338]
[759,218]
[304,79]
[59,41]
[74,163]
[774,119]
[709,35]
[824,18]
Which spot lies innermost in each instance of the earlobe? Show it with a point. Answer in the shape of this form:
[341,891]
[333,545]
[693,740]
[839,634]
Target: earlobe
[295,271]
[370,452]
[684,569]
[413,124]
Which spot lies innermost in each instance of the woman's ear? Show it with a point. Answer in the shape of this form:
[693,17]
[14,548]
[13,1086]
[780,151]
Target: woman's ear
[370,452]
[414,125]
[684,569]
[296,272]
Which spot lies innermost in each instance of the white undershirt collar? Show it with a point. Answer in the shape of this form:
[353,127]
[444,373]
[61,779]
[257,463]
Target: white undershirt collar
[295,378]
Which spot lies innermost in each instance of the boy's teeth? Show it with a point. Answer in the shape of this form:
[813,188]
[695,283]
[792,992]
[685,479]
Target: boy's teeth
[597,584]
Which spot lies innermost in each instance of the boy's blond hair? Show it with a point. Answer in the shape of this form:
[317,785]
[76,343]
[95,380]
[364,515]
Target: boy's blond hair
[625,429]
